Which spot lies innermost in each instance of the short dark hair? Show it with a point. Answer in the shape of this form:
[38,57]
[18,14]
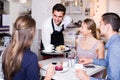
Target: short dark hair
[113,19]
[59,7]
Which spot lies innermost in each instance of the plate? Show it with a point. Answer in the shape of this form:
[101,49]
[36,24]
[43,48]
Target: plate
[66,49]
[47,51]
[64,68]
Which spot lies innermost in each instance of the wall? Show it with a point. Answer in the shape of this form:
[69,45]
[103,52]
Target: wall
[6,7]
[15,10]
[113,6]
[5,20]
[41,10]
[100,10]
[93,6]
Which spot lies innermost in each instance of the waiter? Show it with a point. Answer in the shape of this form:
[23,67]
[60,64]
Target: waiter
[53,27]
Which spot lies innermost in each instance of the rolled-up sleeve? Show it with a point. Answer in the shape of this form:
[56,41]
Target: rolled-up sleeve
[91,78]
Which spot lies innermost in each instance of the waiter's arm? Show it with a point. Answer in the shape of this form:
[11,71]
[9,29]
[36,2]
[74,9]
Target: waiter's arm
[46,34]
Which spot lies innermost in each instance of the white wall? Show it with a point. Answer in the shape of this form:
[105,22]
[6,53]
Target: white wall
[6,7]
[113,6]
[101,10]
[41,10]
[5,19]
[15,10]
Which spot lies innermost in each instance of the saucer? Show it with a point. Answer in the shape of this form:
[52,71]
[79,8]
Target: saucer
[64,69]
[45,51]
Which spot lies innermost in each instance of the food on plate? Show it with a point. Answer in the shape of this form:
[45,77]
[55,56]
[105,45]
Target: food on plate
[58,67]
[60,48]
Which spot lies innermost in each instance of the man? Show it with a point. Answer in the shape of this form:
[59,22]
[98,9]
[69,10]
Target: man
[109,27]
[53,27]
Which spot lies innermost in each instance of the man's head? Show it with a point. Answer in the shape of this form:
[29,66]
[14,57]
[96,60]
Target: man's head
[110,23]
[58,13]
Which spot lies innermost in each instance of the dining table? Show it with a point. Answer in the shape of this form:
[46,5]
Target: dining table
[69,73]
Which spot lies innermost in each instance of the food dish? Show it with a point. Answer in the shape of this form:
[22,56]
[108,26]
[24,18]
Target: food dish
[64,68]
[57,50]
[58,67]
[60,48]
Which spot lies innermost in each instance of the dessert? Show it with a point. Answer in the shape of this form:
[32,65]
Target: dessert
[58,67]
[60,48]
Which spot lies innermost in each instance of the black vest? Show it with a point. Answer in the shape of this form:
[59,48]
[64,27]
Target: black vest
[57,37]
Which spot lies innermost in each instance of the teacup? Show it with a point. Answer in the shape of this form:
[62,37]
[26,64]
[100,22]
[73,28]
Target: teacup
[49,48]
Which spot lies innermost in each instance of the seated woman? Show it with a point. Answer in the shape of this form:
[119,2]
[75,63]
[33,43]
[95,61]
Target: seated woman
[18,61]
[87,43]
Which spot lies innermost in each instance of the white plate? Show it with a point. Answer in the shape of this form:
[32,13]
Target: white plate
[66,49]
[64,68]
[47,51]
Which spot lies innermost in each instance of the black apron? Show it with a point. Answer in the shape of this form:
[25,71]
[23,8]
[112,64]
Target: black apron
[57,37]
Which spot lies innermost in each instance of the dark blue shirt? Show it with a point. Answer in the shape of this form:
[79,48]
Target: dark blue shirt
[30,68]
[112,60]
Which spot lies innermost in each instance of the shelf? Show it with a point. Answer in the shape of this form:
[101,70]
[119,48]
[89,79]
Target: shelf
[81,7]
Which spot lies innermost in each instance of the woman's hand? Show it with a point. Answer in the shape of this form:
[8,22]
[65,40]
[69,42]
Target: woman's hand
[40,65]
[84,60]
[81,74]
[50,72]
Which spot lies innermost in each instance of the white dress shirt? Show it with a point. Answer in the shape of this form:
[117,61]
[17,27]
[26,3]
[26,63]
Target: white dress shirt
[47,29]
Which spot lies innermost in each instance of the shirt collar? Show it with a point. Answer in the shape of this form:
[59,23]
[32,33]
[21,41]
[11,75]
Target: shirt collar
[57,25]
[113,37]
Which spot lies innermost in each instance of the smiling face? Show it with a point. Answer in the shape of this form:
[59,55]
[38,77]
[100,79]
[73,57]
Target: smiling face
[58,17]
[103,27]
[84,30]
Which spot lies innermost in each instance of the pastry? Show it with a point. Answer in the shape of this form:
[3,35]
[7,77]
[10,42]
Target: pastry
[58,67]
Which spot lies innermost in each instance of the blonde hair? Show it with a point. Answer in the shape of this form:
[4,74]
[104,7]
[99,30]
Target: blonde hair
[91,25]
[22,37]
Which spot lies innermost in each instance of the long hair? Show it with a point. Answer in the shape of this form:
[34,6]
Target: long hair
[22,37]
[91,25]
